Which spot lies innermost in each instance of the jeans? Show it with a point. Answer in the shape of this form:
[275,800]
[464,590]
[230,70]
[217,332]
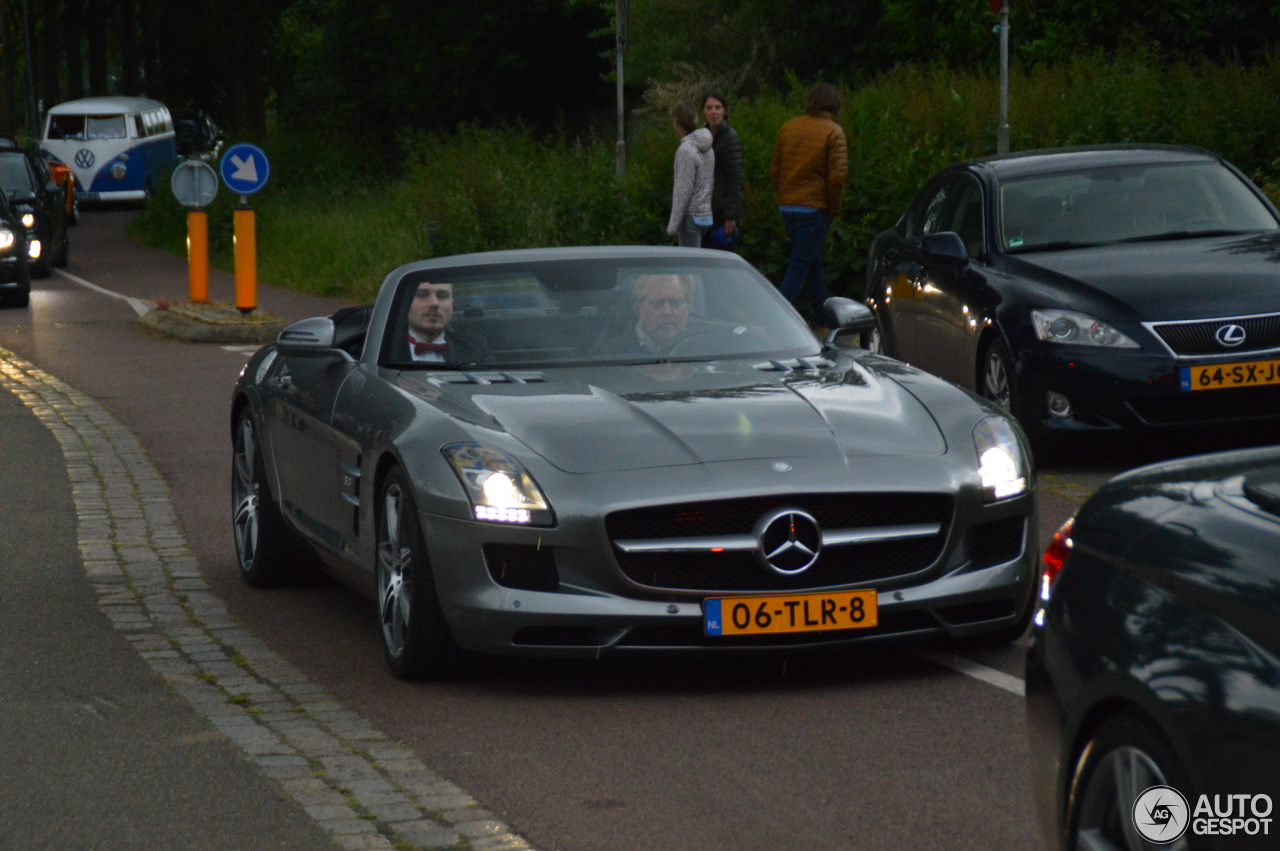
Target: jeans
[807,231]
[690,234]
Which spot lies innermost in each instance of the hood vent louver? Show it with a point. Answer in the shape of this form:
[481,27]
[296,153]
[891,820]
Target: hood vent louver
[795,365]
[490,377]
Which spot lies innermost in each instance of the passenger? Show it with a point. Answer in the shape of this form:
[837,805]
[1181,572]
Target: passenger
[431,340]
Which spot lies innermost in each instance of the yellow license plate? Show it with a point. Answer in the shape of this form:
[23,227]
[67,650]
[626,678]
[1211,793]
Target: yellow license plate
[1219,376]
[790,613]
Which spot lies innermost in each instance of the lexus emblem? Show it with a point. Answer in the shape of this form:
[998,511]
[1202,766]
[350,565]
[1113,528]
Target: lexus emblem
[788,541]
[1230,336]
[84,158]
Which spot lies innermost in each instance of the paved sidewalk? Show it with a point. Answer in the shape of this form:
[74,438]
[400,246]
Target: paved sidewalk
[324,776]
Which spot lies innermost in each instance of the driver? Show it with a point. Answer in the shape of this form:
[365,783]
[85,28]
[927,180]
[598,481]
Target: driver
[660,302]
[431,340]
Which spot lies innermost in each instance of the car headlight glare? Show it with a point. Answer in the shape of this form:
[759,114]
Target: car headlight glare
[499,488]
[1081,329]
[6,239]
[1002,462]
[28,220]
[34,249]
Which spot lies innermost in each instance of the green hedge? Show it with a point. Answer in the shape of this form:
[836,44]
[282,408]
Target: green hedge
[480,189]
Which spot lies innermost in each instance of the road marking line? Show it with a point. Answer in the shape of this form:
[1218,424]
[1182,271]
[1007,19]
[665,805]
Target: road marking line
[970,668]
[140,306]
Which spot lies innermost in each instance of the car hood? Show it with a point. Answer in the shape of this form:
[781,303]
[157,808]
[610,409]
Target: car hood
[1200,278]
[628,417]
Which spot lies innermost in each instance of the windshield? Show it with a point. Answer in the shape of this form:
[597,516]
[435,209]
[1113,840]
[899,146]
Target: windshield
[591,311]
[1128,203]
[15,176]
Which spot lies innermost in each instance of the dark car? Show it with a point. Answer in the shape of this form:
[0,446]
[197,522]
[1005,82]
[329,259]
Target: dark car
[41,201]
[625,450]
[1154,663]
[15,278]
[1090,290]
[195,133]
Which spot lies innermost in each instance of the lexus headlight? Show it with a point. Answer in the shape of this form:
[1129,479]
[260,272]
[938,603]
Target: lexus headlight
[499,488]
[6,239]
[28,220]
[1002,463]
[1081,329]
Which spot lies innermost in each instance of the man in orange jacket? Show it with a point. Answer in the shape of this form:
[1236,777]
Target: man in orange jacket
[810,166]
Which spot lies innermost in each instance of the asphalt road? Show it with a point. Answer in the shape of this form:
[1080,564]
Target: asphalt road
[879,749]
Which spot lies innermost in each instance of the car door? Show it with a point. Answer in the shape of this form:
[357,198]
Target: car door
[897,278]
[945,315]
[301,392]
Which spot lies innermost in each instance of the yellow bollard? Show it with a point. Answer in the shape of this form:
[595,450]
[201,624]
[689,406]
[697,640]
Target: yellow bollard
[246,261]
[198,256]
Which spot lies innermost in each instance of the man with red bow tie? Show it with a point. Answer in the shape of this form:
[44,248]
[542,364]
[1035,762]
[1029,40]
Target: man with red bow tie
[429,315]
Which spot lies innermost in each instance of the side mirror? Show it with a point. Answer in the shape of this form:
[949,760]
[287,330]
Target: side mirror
[310,337]
[845,314]
[945,247]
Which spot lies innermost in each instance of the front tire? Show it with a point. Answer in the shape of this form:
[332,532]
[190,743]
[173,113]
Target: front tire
[263,543]
[416,641]
[1125,757]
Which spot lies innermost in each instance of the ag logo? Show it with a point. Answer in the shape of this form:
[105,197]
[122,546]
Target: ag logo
[1161,814]
[84,158]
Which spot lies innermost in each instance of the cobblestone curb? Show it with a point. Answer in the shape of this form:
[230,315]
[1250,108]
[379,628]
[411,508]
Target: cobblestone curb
[367,792]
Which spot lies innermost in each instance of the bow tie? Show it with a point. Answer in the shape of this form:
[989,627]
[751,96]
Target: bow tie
[424,348]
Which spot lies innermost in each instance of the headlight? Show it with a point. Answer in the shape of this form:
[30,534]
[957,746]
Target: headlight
[118,171]
[6,239]
[1081,329]
[499,488]
[34,249]
[1002,464]
[28,220]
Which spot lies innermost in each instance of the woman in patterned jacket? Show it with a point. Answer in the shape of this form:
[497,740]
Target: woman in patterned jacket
[693,180]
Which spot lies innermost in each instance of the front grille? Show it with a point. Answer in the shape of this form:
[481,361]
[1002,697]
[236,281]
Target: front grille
[1198,338]
[739,571]
[1207,406]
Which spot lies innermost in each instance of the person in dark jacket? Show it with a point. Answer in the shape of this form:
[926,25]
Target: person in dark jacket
[727,190]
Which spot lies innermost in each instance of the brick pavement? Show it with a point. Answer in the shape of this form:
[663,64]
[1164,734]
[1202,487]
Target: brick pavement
[363,789]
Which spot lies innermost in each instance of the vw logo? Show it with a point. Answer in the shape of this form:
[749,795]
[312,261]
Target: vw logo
[84,158]
[788,541]
[1230,336]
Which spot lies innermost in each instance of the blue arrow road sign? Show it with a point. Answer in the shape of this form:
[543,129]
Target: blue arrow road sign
[245,168]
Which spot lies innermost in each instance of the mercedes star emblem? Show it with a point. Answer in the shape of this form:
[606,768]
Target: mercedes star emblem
[788,541]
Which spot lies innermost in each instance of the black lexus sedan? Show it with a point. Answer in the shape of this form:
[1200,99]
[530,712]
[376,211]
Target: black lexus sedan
[1153,671]
[1098,289]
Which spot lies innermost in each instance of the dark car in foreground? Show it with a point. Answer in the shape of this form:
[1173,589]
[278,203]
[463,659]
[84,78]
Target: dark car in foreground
[196,134]
[41,201]
[1090,290]
[15,277]
[625,451]
[1154,662]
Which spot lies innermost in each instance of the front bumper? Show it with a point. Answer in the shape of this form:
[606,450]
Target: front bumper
[592,611]
[1114,391]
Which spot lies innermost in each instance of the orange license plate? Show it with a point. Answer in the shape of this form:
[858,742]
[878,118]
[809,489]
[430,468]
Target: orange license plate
[1220,376]
[790,613]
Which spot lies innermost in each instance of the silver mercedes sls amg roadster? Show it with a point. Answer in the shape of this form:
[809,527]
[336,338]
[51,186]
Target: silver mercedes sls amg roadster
[580,451]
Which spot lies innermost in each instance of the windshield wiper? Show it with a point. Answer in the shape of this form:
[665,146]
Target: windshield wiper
[1185,234]
[1052,246]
